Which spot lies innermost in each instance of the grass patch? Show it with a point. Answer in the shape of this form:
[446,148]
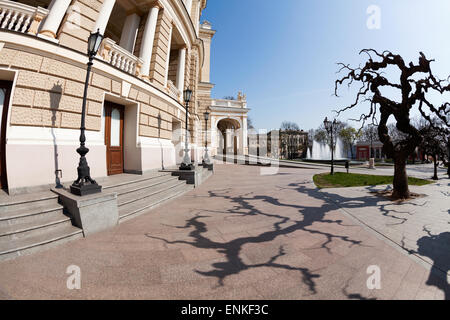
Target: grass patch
[344,180]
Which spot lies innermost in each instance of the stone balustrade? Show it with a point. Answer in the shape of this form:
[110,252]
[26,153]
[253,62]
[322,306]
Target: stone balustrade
[174,92]
[120,58]
[19,17]
[228,103]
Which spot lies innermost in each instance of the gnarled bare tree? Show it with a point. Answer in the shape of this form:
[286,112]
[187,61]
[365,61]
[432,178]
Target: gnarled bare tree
[415,83]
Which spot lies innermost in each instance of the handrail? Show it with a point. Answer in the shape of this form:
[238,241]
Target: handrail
[120,58]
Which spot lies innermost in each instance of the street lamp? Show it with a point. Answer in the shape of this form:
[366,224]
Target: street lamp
[330,127]
[206,159]
[187,164]
[84,184]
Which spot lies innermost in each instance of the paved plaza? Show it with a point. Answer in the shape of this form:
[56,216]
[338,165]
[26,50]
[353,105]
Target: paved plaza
[243,235]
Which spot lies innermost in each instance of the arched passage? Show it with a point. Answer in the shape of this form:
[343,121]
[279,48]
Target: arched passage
[228,139]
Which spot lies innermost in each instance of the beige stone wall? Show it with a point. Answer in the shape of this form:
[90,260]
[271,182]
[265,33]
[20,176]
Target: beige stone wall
[148,122]
[187,73]
[204,102]
[193,79]
[74,32]
[194,11]
[160,50]
[49,93]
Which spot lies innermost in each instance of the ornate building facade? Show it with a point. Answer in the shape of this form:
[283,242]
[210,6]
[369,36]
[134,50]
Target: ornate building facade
[152,52]
[292,144]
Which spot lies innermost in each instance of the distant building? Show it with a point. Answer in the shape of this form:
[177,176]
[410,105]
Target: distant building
[363,151]
[292,144]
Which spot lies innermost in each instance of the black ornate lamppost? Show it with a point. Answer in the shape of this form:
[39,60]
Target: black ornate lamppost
[187,164]
[330,127]
[84,184]
[206,159]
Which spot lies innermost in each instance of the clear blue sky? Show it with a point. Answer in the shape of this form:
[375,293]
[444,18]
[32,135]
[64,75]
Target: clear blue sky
[283,53]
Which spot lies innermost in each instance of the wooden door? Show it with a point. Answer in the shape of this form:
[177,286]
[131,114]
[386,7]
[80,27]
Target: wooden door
[114,115]
[5,92]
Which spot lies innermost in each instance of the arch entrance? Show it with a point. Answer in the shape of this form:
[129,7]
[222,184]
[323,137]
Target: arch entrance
[228,139]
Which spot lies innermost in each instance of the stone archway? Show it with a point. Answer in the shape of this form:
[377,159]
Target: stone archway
[228,139]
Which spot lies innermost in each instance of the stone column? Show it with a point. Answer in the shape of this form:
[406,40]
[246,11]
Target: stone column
[148,39]
[103,16]
[181,69]
[129,32]
[58,9]
[168,55]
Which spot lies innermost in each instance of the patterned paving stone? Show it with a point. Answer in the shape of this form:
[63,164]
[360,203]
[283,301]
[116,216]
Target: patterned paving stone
[242,235]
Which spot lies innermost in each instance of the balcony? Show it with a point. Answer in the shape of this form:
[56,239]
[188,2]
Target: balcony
[20,17]
[173,90]
[120,58]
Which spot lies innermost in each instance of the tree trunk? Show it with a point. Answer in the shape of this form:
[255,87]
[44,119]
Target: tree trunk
[401,190]
[435,177]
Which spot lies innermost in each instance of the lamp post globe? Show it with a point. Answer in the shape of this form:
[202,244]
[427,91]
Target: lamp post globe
[187,95]
[85,185]
[327,124]
[186,165]
[94,42]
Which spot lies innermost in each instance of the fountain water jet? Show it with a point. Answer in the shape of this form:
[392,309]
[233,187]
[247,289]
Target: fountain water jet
[322,152]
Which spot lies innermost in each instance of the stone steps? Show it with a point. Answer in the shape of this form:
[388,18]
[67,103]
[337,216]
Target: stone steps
[130,197]
[150,199]
[30,229]
[31,222]
[31,213]
[26,201]
[49,239]
[136,187]
[114,183]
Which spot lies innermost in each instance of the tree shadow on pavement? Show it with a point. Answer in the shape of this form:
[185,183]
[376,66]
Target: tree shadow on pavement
[436,247]
[432,246]
[308,218]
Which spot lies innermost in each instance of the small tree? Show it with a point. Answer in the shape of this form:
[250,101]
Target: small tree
[349,135]
[289,126]
[321,135]
[434,143]
[416,83]
[250,123]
